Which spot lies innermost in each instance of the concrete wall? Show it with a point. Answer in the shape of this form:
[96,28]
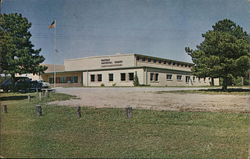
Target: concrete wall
[51,67]
[162,65]
[163,81]
[100,62]
[117,77]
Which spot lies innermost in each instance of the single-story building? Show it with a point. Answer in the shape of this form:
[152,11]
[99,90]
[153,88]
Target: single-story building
[121,69]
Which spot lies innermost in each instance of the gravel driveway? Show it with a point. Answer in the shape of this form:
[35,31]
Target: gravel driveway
[148,98]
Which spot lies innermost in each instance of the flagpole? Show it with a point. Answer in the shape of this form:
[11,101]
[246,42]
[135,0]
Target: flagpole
[1,1]
[55,55]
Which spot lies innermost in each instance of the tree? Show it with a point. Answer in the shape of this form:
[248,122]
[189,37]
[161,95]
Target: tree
[224,53]
[136,80]
[16,50]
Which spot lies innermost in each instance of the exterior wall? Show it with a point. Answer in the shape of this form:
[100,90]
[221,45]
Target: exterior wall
[51,67]
[162,65]
[163,81]
[116,75]
[100,62]
[83,68]
[46,77]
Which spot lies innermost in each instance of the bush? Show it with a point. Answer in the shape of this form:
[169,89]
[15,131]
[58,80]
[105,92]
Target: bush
[102,85]
[136,80]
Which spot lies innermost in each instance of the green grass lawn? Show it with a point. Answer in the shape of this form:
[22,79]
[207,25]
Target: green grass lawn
[213,91]
[108,133]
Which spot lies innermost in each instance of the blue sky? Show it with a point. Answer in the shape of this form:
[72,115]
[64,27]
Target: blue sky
[161,28]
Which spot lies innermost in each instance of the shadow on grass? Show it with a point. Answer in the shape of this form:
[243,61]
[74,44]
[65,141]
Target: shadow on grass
[14,98]
[228,90]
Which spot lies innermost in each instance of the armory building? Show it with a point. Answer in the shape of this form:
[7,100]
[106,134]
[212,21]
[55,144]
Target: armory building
[121,69]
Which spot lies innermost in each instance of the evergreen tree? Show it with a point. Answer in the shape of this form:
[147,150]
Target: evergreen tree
[224,53]
[136,80]
[16,50]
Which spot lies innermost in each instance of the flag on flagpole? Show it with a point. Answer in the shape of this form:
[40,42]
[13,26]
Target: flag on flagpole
[52,25]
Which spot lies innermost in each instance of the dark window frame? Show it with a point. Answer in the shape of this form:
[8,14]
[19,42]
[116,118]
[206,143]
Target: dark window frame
[177,77]
[169,75]
[131,76]
[99,77]
[92,78]
[111,77]
[123,76]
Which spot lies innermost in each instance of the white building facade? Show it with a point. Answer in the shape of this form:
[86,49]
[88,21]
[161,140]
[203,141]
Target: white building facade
[121,69]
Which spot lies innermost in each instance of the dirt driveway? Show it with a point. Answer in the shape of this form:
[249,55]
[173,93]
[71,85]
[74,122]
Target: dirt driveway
[148,98]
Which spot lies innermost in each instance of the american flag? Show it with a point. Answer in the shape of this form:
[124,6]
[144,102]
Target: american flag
[52,25]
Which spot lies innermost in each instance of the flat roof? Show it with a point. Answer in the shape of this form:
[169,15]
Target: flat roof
[132,54]
[164,59]
[117,54]
[121,68]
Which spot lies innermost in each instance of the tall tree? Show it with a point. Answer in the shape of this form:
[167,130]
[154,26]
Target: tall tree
[224,53]
[17,54]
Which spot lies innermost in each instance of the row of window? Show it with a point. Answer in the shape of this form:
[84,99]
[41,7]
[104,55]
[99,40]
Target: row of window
[63,79]
[154,77]
[161,61]
[123,77]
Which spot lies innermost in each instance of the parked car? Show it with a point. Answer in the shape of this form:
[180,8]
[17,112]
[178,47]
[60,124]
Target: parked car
[45,84]
[21,84]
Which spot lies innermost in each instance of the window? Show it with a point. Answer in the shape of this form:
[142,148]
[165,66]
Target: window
[58,80]
[92,78]
[173,63]
[75,79]
[123,76]
[156,76]
[179,77]
[204,79]
[131,76]
[111,77]
[68,79]
[143,59]
[187,78]
[193,78]
[62,79]
[137,58]
[51,80]
[165,62]
[149,60]
[169,76]
[151,76]
[169,63]
[99,77]
[154,61]
[159,61]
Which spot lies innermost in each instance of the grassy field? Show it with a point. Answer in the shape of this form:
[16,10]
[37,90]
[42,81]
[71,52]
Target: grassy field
[213,91]
[108,133]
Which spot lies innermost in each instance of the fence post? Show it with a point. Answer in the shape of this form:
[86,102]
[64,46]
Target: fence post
[39,110]
[5,109]
[129,112]
[78,111]
[46,93]
[28,98]
[40,96]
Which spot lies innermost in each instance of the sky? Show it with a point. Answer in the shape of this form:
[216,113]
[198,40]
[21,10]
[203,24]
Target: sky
[161,28]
